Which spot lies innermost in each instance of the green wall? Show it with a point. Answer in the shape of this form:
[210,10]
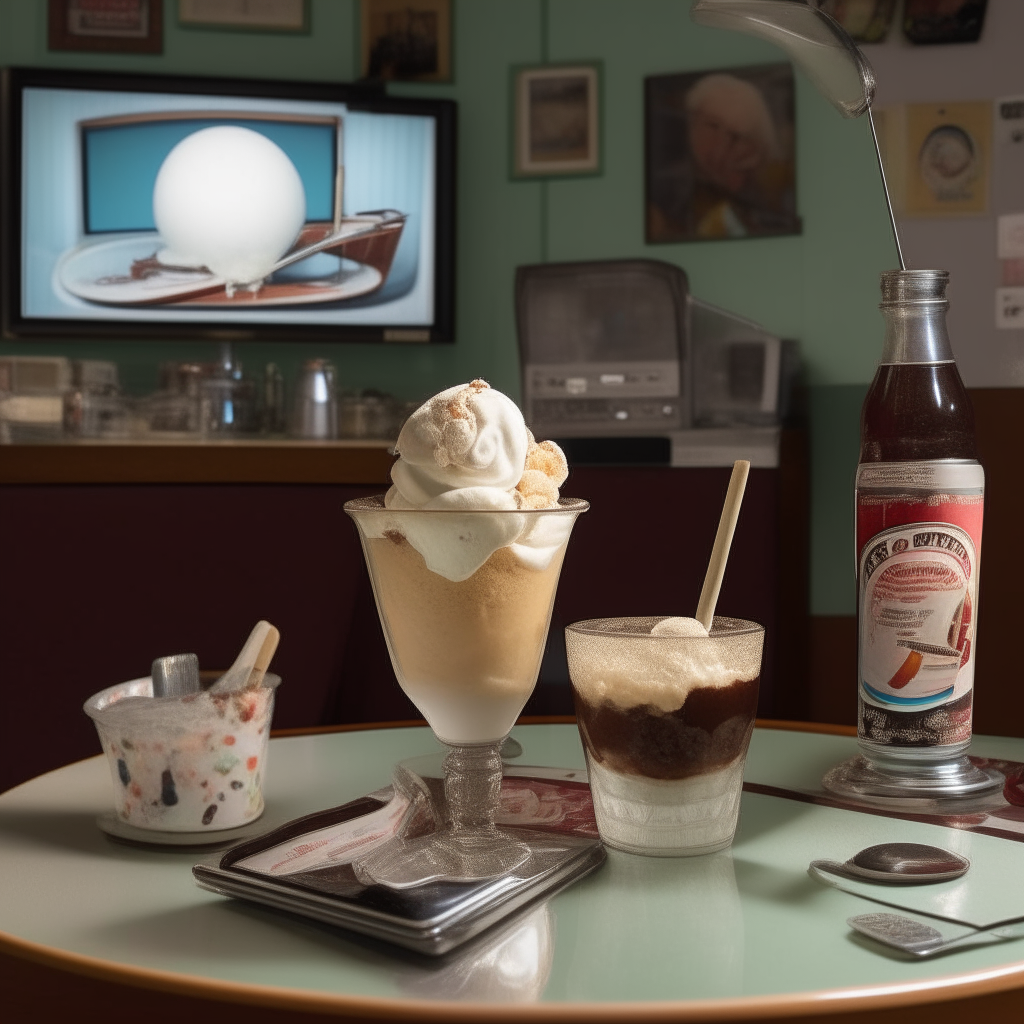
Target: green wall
[819,287]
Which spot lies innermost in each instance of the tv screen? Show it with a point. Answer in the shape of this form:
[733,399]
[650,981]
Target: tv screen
[183,207]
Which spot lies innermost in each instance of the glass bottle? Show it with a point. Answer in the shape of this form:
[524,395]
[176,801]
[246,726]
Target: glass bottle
[919,505]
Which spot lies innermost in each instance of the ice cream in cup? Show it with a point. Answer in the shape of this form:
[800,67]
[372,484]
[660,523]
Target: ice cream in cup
[194,763]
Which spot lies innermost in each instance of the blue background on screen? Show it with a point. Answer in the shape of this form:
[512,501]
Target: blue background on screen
[122,161]
[388,160]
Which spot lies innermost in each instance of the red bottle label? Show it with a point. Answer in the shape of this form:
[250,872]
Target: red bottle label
[919,545]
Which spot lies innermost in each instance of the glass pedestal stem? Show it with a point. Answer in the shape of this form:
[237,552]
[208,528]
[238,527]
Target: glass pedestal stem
[472,786]
[470,847]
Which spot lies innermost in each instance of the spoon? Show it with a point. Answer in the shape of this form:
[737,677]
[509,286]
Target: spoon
[252,662]
[899,864]
[922,940]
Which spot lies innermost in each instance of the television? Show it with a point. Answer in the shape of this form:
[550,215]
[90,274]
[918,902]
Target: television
[152,206]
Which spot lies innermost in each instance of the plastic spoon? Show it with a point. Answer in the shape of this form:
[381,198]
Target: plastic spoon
[252,662]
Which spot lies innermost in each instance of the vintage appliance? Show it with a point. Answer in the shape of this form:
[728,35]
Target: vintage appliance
[604,348]
[619,355]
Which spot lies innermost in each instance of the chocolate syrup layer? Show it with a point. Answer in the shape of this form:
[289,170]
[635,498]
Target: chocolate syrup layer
[710,730]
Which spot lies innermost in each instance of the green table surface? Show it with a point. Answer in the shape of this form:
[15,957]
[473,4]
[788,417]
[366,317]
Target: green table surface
[738,933]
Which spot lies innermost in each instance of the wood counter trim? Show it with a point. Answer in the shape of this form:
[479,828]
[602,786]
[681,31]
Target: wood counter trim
[413,723]
[215,463]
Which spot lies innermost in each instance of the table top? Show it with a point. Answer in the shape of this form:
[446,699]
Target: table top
[737,935]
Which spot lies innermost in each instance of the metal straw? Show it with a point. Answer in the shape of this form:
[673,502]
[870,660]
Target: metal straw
[885,189]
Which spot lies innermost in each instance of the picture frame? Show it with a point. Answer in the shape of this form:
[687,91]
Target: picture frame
[405,40]
[285,16]
[556,120]
[948,158]
[720,154]
[926,22]
[867,21]
[133,26]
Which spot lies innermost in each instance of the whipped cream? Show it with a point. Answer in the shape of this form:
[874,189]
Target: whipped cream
[678,625]
[659,670]
[468,449]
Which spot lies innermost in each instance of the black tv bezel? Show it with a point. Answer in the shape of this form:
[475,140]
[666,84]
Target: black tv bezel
[358,96]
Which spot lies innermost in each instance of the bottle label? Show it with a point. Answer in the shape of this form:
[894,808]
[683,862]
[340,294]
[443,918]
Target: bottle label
[919,543]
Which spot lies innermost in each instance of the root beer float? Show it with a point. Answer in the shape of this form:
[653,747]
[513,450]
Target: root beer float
[665,711]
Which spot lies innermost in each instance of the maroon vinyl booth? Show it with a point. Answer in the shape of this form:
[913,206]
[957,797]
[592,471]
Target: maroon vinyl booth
[100,579]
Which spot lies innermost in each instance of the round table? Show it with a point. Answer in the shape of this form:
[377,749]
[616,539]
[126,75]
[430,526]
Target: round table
[743,934]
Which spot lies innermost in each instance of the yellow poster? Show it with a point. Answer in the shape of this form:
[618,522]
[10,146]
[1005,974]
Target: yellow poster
[947,158]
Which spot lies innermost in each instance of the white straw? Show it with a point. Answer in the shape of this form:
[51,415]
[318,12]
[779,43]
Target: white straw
[723,541]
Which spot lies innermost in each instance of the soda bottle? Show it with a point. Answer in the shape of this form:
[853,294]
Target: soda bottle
[920,496]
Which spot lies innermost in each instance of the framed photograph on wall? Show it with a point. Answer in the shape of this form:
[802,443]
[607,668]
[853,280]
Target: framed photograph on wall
[556,121]
[244,16]
[867,21]
[720,157]
[125,26]
[943,21]
[406,40]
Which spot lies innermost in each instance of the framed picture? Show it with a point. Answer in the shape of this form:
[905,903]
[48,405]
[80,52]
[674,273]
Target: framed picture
[556,123]
[867,21]
[943,21]
[948,158]
[406,40]
[107,26]
[245,15]
[720,154]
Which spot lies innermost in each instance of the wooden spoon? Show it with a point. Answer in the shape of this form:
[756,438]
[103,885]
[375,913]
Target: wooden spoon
[252,662]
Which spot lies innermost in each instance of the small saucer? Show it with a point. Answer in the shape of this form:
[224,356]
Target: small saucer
[110,823]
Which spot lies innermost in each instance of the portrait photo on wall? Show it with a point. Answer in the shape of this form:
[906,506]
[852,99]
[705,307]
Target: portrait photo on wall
[867,21]
[720,158]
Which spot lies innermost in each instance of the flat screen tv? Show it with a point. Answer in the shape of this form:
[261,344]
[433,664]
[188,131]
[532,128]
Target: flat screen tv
[178,207]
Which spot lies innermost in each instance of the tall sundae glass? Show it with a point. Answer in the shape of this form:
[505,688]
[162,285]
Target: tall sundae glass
[464,554]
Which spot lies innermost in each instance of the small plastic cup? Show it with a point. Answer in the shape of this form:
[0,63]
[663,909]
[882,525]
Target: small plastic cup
[665,723]
[185,764]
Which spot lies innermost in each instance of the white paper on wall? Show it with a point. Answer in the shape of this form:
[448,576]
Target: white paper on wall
[1010,236]
[1010,308]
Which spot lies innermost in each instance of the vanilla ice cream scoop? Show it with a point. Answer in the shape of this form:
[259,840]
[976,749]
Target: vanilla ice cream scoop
[468,449]
[468,437]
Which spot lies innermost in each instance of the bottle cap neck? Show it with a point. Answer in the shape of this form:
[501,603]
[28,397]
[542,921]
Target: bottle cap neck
[914,306]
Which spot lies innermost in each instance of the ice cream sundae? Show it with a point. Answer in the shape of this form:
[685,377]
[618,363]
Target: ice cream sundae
[464,552]
[665,711]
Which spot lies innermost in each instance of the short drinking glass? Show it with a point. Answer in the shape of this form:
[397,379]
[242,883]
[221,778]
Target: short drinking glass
[665,723]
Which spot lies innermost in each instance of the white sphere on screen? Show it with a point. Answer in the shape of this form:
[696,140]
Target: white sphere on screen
[229,199]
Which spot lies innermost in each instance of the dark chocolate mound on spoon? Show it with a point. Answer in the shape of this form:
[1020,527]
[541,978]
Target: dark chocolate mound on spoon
[910,859]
